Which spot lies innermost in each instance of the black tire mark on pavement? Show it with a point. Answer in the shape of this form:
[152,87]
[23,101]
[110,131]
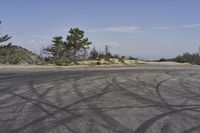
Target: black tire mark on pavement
[65,109]
[195,128]
[145,126]
[114,125]
[159,94]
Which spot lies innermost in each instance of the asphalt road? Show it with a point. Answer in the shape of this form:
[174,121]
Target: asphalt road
[138,100]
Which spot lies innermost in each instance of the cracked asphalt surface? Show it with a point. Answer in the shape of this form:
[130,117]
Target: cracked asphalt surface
[138,100]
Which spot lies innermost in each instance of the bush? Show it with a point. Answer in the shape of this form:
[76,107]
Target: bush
[107,59]
[162,60]
[116,56]
[188,58]
[131,58]
[123,57]
[180,59]
[15,62]
[76,63]
[98,63]
[121,60]
[58,63]
[94,54]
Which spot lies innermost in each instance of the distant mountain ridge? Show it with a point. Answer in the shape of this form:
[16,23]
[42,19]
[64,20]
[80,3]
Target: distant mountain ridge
[13,54]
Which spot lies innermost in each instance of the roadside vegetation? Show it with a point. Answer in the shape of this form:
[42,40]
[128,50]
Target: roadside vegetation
[162,60]
[12,54]
[4,39]
[192,58]
[71,50]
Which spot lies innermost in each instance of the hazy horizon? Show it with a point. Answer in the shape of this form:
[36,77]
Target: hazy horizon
[140,28]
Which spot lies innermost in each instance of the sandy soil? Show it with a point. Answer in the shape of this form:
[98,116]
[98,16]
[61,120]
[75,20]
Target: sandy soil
[86,65]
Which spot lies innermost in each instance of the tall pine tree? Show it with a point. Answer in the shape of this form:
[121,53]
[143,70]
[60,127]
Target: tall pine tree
[76,41]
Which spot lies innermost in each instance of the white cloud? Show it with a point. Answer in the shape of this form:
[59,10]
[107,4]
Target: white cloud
[175,27]
[122,29]
[164,28]
[190,26]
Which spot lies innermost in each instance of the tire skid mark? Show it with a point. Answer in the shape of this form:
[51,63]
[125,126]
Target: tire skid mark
[130,107]
[137,97]
[57,123]
[65,108]
[113,124]
[19,109]
[22,128]
[20,106]
[41,97]
[111,88]
[159,94]
[146,125]
[165,101]
[163,108]
[139,81]
[37,104]
[144,100]
[195,128]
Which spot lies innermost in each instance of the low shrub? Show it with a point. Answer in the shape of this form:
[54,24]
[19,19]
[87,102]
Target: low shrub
[98,63]
[58,63]
[162,60]
[121,60]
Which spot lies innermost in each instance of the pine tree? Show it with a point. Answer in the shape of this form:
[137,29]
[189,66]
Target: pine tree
[76,41]
[67,50]
[5,38]
[56,49]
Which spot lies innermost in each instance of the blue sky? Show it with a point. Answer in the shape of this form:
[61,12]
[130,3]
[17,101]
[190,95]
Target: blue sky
[148,29]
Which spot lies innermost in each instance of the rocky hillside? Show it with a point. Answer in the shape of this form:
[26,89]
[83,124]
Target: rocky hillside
[17,55]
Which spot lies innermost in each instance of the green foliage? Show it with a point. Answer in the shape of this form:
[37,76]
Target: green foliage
[76,41]
[56,49]
[162,60]
[64,51]
[101,56]
[106,54]
[188,58]
[58,63]
[116,56]
[5,38]
[121,60]
[98,63]
[123,57]
[107,58]
[94,54]
[76,62]
[132,58]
